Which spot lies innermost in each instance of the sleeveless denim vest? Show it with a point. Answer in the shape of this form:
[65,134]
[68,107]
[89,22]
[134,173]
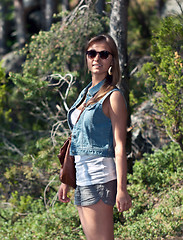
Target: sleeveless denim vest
[92,134]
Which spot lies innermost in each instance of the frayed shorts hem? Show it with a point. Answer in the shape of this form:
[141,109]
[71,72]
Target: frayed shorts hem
[90,195]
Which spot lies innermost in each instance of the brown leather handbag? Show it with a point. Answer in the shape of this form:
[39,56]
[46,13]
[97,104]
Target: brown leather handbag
[67,171]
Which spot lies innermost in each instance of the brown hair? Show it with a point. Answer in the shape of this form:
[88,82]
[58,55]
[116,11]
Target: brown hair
[111,80]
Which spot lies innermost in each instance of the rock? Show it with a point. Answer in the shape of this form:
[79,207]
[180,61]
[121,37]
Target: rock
[172,7]
[146,136]
[12,62]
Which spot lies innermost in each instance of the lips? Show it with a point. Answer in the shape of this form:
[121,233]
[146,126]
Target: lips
[96,65]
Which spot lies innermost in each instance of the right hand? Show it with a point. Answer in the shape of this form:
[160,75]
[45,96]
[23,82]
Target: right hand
[62,193]
[123,201]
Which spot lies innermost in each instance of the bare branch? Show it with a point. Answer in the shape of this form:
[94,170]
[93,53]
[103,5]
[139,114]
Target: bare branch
[179,4]
[69,80]
[10,146]
[45,200]
[54,200]
[54,130]
[72,15]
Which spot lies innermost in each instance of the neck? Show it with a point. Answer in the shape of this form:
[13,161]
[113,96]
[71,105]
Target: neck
[96,79]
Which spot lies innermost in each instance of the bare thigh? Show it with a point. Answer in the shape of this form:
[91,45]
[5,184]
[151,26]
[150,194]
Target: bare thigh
[97,221]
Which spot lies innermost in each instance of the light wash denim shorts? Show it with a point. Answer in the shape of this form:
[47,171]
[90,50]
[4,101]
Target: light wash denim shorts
[89,195]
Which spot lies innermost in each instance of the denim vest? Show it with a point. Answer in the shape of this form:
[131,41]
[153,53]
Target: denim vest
[92,134]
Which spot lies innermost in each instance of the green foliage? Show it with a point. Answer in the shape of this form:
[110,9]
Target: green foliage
[138,93]
[59,50]
[161,220]
[22,179]
[157,195]
[35,125]
[164,75]
[159,170]
[37,167]
[4,112]
[142,19]
[42,112]
[23,204]
[44,156]
[33,130]
[60,222]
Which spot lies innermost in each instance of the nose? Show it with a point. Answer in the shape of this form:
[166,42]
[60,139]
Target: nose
[97,56]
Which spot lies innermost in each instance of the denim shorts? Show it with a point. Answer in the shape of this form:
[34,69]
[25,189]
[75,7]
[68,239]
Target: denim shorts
[89,195]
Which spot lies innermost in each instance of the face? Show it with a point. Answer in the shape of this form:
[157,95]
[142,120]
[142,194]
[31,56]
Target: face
[99,64]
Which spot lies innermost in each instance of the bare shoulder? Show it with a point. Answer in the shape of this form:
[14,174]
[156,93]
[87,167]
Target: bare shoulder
[117,100]
[118,111]
[114,104]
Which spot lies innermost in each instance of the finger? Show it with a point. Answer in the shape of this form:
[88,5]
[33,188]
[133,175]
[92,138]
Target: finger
[65,200]
[118,206]
[127,206]
[123,207]
[60,194]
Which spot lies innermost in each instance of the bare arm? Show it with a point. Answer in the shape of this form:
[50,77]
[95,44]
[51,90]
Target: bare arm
[118,114]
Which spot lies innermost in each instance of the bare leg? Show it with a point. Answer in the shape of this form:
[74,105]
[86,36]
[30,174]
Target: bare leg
[97,221]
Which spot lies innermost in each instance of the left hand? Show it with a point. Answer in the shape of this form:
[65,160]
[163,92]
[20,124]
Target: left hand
[123,201]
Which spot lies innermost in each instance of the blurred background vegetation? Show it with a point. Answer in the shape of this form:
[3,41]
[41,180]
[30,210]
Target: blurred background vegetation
[42,70]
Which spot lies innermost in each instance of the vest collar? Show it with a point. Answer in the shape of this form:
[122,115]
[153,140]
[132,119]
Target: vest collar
[92,91]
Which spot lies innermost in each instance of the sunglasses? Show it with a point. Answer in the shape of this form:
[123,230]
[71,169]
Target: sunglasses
[103,54]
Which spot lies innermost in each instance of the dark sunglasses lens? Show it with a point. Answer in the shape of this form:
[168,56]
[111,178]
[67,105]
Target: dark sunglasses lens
[92,53]
[104,54]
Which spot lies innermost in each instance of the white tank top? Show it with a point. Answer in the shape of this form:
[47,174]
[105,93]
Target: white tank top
[91,169]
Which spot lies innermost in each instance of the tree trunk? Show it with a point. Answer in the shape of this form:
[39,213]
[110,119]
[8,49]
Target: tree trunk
[20,22]
[100,6]
[2,30]
[49,10]
[65,5]
[118,30]
[160,4]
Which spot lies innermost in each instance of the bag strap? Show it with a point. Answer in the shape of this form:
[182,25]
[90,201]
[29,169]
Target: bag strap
[83,108]
[85,104]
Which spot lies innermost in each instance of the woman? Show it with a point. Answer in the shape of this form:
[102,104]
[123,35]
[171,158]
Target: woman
[97,138]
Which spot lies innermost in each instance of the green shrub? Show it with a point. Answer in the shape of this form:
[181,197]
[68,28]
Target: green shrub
[159,170]
[164,75]
[58,222]
[157,196]
[162,220]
